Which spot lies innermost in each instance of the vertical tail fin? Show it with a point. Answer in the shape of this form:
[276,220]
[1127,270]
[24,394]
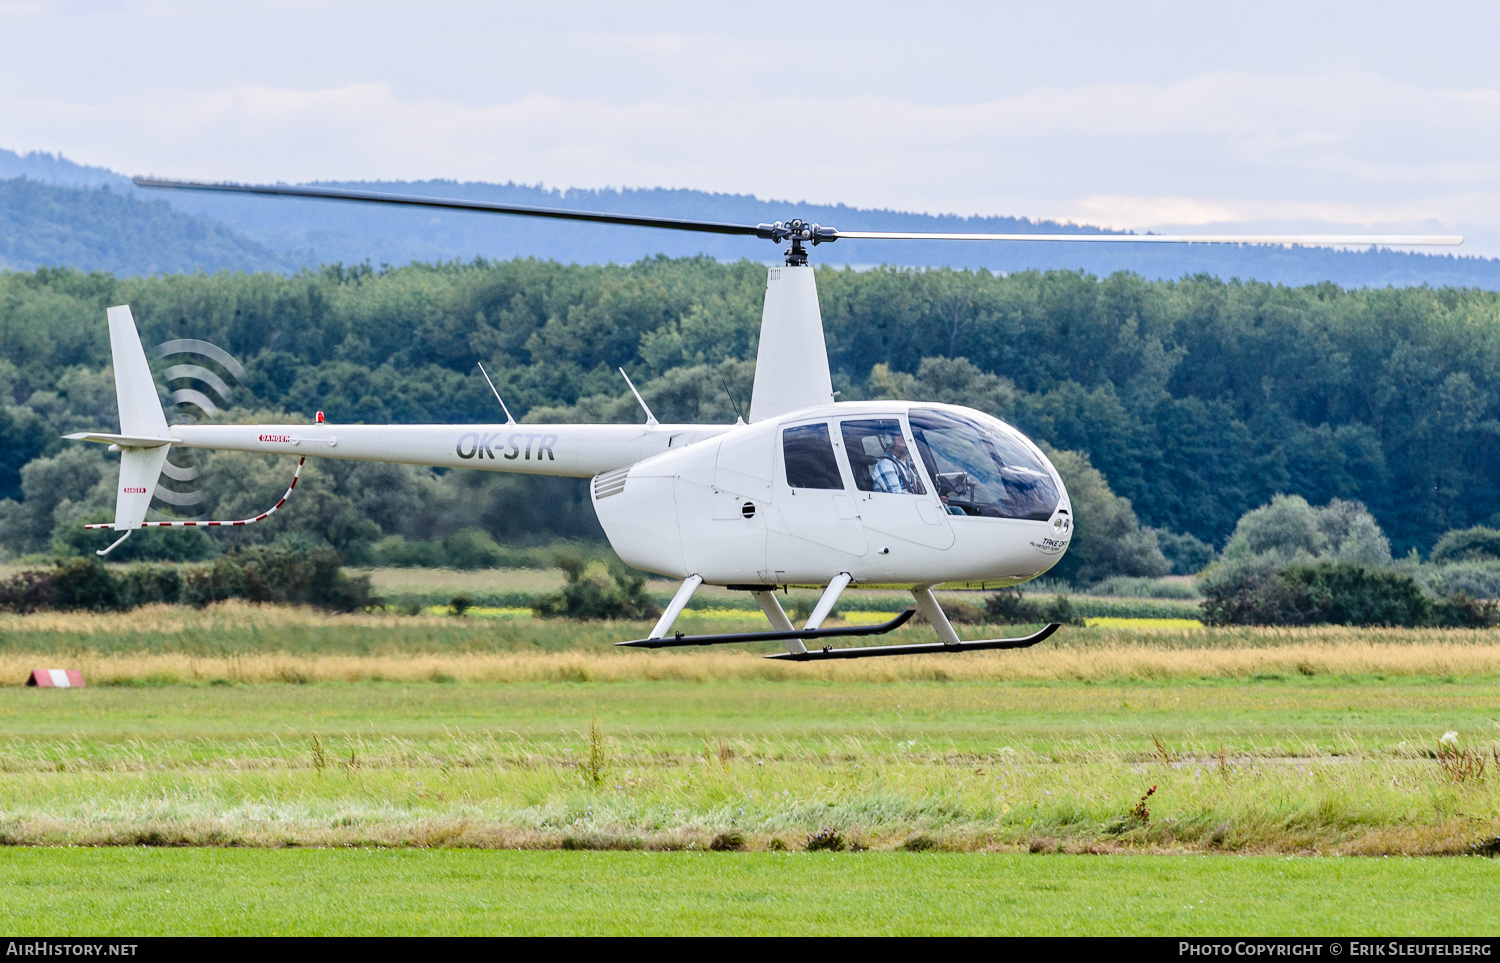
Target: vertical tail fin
[139,470]
[140,409]
[141,419]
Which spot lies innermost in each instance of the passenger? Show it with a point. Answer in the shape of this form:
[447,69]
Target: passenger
[894,472]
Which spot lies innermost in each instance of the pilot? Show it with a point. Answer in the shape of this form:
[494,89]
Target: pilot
[894,472]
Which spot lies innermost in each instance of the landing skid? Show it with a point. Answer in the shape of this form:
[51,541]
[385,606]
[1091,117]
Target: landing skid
[857,652]
[855,630]
[917,648]
[796,638]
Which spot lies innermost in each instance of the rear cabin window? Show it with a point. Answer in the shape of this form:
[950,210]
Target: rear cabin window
[809,458]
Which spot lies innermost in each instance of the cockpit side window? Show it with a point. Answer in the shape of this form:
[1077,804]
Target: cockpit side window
[808,453]
[981,468]
[879,458]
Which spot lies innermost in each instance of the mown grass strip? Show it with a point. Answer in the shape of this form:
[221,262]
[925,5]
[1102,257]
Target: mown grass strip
[143,892]
[1301,765]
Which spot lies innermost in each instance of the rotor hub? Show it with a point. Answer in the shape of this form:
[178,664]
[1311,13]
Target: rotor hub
[796,230]
[799,232]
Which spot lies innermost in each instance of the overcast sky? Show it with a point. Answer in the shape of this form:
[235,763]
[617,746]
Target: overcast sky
[1253,115]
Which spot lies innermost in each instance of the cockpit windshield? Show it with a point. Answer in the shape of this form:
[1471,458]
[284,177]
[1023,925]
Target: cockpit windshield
[980,469]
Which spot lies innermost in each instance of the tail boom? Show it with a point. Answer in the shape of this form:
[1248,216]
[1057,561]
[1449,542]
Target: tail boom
[578,451]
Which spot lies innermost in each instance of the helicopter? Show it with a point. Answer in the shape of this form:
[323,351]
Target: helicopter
[806,490]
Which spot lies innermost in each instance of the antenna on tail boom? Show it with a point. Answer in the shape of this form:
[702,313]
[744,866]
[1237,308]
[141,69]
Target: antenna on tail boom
[509,419]
[650,418]
[738,415]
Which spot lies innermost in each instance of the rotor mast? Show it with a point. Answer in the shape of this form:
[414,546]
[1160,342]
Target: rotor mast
[791,361]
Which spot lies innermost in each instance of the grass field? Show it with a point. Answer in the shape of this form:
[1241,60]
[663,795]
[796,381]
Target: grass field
[1307,766]
[237,643]
[959,794]
[274,727]
[425,892]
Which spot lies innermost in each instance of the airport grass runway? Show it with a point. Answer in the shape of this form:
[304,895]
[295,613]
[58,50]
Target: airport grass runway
[1323,765]
[1115,781]
[143,892]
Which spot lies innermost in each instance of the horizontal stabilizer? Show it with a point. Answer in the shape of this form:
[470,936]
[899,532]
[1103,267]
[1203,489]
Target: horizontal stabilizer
[124,441]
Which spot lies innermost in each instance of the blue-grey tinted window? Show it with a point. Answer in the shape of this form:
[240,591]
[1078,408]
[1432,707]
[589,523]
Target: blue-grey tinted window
[981,468]
[809,458]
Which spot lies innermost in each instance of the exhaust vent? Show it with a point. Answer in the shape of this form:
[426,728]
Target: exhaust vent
[610,483]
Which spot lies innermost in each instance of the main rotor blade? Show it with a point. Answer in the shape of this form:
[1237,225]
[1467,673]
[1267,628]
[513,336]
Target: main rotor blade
[781,231]
[1390,239]
[455,204]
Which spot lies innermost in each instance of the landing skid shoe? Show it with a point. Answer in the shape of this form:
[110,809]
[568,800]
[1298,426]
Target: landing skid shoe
[917,648]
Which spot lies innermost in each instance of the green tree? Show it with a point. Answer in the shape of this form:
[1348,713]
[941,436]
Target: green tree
[1108,539]
[1198,400]
[23,437]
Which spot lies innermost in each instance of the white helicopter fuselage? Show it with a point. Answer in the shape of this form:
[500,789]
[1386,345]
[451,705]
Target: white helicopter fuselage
[718,501]
[730,509]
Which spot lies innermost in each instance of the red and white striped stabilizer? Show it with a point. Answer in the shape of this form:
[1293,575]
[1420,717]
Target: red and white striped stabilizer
[56,678]
[244,521]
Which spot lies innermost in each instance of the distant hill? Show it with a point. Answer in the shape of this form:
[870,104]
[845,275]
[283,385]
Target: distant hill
[312,232]
[100,229]
[57,169]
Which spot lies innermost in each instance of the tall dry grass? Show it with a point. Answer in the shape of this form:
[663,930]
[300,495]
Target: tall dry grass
[240,642]
[1112,662]
[233,615]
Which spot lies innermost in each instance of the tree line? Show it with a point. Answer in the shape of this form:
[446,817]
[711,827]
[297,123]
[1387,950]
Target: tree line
[1194,401]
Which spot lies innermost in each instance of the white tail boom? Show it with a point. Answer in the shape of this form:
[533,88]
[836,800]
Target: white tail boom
[144,438]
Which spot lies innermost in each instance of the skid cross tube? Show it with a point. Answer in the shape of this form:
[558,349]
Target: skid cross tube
[680,639]
[918,648]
